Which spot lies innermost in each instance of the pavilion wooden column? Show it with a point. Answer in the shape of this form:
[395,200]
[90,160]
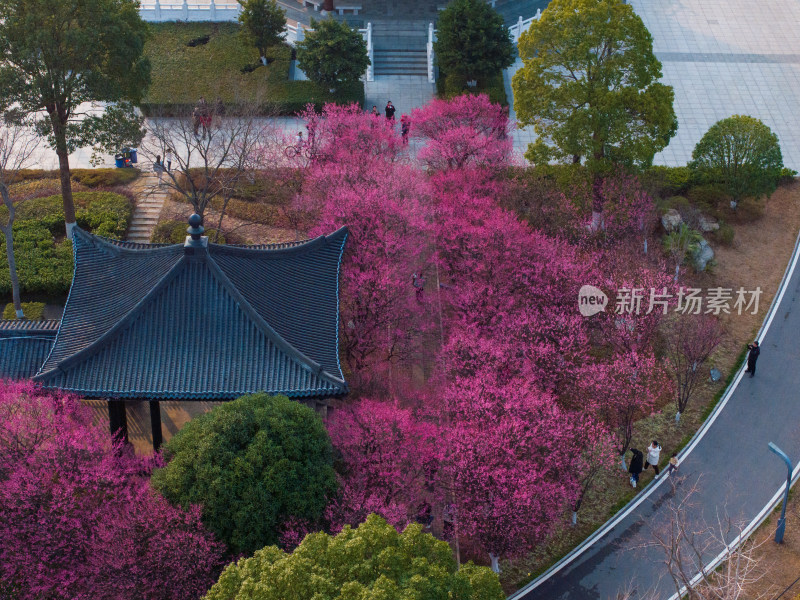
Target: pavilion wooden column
[155,424]
[118,418]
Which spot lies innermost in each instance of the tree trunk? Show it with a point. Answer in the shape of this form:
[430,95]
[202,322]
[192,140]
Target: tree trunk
[597,204]
[495,562]
[8,232]
[58,119]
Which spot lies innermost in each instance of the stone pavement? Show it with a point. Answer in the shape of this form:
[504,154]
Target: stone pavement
[150,200]
[406,93]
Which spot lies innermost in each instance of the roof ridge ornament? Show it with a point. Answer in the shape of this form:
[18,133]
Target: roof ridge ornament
[195,239]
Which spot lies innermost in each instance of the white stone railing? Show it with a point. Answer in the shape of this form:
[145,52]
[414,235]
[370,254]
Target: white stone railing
[213,11]
[431,38]
[523,25]
[367,33]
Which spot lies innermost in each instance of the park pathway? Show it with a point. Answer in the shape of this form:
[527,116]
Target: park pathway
[734,473]
[150,200]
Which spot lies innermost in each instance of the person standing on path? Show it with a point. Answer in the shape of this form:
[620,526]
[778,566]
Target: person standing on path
[168,158]
[390,110]
[405,127]
[158,167]
[636,466]
[375,112]
[752,357]
[653,455]
[673,463]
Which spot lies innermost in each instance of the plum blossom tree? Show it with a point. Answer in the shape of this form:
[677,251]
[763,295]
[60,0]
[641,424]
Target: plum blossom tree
[509,449]
[690,341]
[624,390]
[389,460]
[467,131]
[78,519]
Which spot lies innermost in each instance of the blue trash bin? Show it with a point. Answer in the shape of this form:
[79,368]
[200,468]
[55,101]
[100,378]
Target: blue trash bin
[119,160]
[134,157]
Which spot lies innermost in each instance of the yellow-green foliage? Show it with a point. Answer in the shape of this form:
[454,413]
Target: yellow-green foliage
[34,311]
[371,561]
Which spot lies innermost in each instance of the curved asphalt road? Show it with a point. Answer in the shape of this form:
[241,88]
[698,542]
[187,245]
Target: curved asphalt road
[736,474]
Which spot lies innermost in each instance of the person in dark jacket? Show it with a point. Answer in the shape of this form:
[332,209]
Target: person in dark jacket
[637,464]
[752,357]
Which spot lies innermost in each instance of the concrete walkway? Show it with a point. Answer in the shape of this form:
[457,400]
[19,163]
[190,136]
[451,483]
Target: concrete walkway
[150,200]
[735,474]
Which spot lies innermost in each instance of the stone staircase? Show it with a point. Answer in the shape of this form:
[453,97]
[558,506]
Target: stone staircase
[150,200]
[400,48]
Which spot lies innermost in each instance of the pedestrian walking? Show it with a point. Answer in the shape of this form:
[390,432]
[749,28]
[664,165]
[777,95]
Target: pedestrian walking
[219,112]
[158,167]
[375,112]
[673,463]
[752,357]
[653,454]
[636,466]
[390,110]
[405,127]
[168,158]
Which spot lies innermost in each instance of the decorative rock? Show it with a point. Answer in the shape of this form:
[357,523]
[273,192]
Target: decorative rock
[671,219]
[716,375]
[703,255]
[707,224]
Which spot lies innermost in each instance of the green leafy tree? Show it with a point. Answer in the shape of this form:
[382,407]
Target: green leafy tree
[371,561]
[472,41]
[742,153]
[251,464]
[332,53]
[262,22]
[57,56]
[589,86]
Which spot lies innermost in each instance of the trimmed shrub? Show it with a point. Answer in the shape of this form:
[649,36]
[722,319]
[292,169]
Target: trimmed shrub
[725,234]
[44,257]
[448,86]
[679,203]
[709,197]
[667,181]
[174,232]
[104,177]
[34,311]
[787,175]
[252,464]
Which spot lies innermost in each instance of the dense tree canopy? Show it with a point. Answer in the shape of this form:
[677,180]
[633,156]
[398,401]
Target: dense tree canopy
[78,519]
[589,86]
[472,40]
[741,152]
[332,53]
[54,56]
[370,561]
[251,464]
[262,22]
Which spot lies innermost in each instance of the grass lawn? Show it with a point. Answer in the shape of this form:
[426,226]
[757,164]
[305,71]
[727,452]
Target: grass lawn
[213,67]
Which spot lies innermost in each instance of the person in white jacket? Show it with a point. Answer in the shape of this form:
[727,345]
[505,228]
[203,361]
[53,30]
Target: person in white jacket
[653,455]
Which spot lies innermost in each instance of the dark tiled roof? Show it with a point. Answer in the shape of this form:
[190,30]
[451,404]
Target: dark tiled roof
[23,347]
[153,322]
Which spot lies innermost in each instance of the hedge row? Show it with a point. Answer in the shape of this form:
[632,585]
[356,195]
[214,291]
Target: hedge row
[83,177]
[217,68]
[43,255]
[448,86]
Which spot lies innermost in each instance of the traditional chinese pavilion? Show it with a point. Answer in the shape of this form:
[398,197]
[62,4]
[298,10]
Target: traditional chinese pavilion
[193,321]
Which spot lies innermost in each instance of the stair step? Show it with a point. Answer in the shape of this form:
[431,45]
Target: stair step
[423,52]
